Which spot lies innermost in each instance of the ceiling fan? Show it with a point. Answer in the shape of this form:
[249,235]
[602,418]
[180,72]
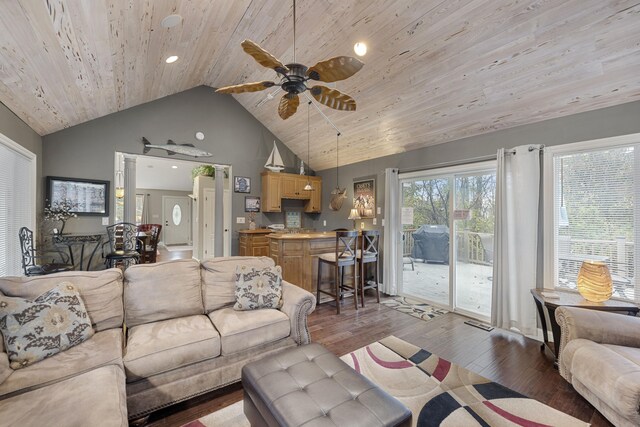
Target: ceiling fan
[294,78]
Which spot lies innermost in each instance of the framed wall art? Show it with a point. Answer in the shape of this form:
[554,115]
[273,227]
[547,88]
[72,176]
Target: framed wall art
[364,197]
[251,204]
[88,197]
[241,184]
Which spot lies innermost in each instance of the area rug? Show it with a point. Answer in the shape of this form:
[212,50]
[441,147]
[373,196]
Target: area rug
[438,392]
[414,308]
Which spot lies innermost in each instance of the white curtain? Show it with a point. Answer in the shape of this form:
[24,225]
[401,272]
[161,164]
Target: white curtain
[392,256]
[516,238]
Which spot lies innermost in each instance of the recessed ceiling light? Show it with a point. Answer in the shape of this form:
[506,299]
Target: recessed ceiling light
[174,167]
[171,59]
[171,21]
[360,49]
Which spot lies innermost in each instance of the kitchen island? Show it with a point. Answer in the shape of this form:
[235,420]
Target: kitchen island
[297,254]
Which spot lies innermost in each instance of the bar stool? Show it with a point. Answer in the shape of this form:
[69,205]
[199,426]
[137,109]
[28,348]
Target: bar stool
[368,254]
[344,256]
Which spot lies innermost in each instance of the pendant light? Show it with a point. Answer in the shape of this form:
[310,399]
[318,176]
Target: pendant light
[337,194]
[308,187]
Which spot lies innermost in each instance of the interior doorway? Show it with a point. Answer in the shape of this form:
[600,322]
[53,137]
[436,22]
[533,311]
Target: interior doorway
[447,232]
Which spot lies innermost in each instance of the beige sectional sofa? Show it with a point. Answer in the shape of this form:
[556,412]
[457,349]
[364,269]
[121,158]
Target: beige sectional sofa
[600,357]
[183,338]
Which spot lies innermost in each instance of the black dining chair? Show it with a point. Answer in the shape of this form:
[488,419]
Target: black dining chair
[32,258]
[123,241]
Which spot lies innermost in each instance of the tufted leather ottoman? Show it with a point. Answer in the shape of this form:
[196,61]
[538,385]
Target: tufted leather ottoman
[310,386]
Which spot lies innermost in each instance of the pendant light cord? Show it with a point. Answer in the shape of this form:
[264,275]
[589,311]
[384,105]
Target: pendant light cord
[294,31]
[337,162]
[308,133]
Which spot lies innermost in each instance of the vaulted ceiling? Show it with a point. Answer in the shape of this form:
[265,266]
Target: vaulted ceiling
[436,70]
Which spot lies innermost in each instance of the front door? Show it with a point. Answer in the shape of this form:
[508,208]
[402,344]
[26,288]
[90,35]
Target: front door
[176,214]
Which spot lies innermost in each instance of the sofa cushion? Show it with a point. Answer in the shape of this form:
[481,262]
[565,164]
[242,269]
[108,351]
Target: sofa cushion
[104,348]
[219,279]
[101,292]
[51,323]
[258,287]
[160,291]
[162,346]
[240,330]
[95,398]
[612,377]
[630,353]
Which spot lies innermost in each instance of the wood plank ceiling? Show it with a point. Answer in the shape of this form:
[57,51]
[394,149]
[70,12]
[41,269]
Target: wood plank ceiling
[436,70]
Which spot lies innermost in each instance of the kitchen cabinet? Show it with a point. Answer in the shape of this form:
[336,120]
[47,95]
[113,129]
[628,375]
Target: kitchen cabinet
[254,242]
[277,186]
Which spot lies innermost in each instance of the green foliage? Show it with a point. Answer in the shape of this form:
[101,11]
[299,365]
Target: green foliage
[203,170]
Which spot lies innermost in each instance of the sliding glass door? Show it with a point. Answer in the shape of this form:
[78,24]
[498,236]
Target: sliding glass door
[447,219]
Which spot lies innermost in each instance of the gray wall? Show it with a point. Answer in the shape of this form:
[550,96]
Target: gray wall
[619,120]
[232,135]
[18,131]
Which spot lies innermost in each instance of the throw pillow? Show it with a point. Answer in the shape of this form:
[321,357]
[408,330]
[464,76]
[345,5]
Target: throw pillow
[258,288]
[51,323]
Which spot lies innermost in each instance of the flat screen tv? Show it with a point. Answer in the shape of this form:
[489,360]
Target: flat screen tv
[88,197]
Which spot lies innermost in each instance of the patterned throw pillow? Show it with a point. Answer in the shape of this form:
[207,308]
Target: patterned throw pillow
[35,330]
[258,288]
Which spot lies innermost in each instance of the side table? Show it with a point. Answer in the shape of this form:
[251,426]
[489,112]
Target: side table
[570,299]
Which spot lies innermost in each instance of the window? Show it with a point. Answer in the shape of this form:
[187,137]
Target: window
[595,209]
[17,202]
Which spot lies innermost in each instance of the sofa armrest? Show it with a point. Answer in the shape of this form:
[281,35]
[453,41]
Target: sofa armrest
[297,304]
[598,326]
[5,369]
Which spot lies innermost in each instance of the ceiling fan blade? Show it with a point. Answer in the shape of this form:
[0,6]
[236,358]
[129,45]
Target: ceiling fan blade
[333,98]
[263,57]
[288,105]
[334,69]
[246,87]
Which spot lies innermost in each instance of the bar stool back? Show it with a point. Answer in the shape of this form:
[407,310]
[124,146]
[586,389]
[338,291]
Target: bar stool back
[344,256]
[368,254]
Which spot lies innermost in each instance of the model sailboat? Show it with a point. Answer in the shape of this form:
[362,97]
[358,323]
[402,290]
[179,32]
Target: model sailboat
[274,162]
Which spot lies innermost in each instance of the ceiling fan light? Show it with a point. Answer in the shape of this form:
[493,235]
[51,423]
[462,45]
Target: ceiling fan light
[360,49]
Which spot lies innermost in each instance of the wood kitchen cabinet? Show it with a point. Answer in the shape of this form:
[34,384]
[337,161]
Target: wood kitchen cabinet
[314,204]
[271,198]
[254,242]
[277,186]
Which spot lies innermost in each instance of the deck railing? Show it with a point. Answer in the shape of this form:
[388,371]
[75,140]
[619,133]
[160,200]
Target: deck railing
[470,246]
[477,248]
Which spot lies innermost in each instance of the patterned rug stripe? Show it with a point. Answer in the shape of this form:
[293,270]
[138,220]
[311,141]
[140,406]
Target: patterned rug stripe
[436,391]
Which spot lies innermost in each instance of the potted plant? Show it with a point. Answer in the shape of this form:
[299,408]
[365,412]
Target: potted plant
[206,170]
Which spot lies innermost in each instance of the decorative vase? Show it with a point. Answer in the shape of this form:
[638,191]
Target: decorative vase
[252,225]
[594,281]
[64,222]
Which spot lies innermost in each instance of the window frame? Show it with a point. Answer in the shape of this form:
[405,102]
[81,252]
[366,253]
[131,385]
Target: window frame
[549,198]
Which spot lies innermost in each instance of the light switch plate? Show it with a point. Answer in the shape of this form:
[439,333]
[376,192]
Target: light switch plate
[324,223]
[105,220]
[375,221]
[379,210]
[240,220]
[362,225]
[383,222]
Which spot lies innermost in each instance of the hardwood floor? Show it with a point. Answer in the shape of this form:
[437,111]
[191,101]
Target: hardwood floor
[509,359]
[165,255]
